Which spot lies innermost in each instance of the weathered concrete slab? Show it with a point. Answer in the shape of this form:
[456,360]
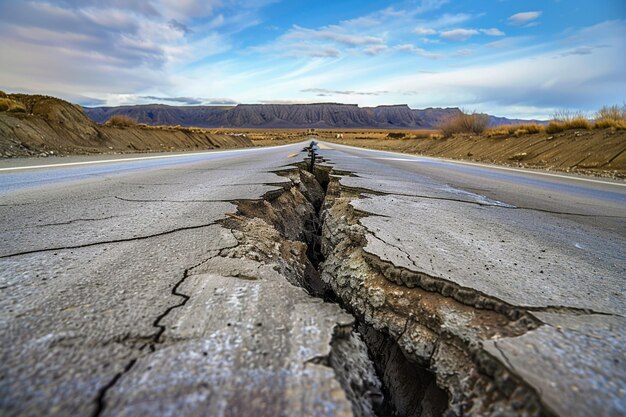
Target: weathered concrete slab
[524,259]
[557,254]
[240,346]
[77,321]
[577,363]
[72,319]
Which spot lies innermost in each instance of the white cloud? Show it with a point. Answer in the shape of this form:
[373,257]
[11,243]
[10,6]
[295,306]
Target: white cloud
[326,91]
[458,35]
[464,52]
[418,51]
[540,81]
[492,32]
[332,33]
[375,49]
[523,18]
[448,19]
[424,31]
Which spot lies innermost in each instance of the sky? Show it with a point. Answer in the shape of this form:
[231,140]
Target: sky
[514,58]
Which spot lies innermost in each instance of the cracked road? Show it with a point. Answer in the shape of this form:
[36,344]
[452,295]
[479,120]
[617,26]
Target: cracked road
[118,296]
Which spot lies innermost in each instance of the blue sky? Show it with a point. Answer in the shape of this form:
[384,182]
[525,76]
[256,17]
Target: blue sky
[506,57]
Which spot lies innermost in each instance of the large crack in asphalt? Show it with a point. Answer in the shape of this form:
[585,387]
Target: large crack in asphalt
[415,349]
[423,334]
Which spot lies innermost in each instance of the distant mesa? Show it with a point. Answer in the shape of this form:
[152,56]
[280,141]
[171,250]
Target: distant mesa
[274,116]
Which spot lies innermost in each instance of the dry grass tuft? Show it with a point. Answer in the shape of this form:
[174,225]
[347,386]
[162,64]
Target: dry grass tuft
[566,120]
[611,117]
[464,123]
[12,106]
[610,123]
[120,120]
[557,126]
[517,130]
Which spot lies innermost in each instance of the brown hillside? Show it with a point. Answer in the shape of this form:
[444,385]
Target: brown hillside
[54,126]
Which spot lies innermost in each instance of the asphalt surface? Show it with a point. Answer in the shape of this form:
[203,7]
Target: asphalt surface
[92,254]
[551,244]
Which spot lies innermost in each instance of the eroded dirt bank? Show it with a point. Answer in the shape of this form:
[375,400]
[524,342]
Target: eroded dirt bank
[422,336]
[591,152]
[51,126]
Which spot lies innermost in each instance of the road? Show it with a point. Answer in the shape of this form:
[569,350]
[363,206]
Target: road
[118,298]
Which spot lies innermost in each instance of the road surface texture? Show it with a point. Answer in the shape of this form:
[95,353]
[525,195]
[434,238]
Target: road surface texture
[238,283]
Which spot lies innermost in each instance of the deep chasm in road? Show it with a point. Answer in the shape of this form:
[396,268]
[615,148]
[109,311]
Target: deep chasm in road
[245,283]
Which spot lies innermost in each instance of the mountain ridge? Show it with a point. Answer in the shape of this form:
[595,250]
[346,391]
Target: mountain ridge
[272,116]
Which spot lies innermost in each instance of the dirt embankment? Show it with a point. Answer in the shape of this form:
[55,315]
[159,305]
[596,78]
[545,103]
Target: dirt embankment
[52,126]
[594,152]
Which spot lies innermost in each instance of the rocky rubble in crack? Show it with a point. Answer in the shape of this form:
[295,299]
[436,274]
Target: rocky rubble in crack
[425,337]
[282,231]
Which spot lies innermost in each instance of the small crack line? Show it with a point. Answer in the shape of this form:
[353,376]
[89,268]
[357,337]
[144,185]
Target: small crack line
[508,207]
[506,359]
[130,239]
[406,327]
[100,401]
[131,200]
[62,223]
[155,338]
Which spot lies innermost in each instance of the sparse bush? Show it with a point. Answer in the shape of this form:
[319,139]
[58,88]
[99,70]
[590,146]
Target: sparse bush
[611,117]
[610,123]
[614,112]
[567,116]
[396,135]
[555,127]
[464,123]
[120,120]
[565,120]
[532,127]
[12,106]
[578,123]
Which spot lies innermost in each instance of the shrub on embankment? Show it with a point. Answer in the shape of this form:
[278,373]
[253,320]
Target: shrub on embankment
[12,106]
[611,116]
[475,123]
[120,120]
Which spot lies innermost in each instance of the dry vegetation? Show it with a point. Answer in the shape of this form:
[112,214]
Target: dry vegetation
[611,116]
[12,106]
[517,130]
[475,123]
[119,120]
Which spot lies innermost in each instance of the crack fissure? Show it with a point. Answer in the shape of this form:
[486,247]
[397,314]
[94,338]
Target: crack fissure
[378,393]
[152,342]
[107,242]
